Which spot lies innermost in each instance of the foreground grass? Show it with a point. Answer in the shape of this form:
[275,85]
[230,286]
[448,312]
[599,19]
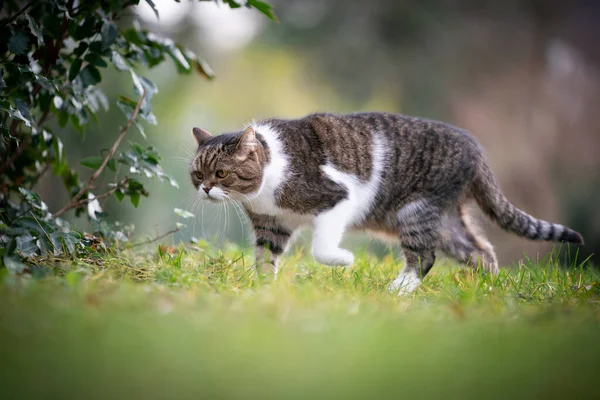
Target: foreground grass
[199,324]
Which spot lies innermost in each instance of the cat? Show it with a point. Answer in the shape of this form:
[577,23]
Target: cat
[404,178]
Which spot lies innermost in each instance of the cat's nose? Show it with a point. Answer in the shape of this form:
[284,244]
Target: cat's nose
[206,189]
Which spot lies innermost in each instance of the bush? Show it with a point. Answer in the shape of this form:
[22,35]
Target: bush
[50,65]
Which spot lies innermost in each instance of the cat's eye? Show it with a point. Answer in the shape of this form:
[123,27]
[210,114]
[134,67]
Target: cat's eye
[222,173]
[199,175]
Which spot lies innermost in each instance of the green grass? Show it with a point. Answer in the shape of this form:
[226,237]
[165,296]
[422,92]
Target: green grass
[199,324]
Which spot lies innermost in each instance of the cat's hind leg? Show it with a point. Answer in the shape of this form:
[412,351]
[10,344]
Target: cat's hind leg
[418,227]
[328,230]
[462,240]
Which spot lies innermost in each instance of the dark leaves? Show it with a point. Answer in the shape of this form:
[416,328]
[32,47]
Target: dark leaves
[109,35]
[91,162]
[53,59]
[118,61]
[153,6]
[35,30]
[23,108]
[17,44]
[74,69]
[90,75]
[2,83]
[263,7]
[95,59]
[13,263]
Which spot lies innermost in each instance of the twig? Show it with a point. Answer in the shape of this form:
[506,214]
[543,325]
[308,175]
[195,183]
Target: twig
[13,17]
[74,201]
[100,196]
[36,179]
[43,117]
[164,235]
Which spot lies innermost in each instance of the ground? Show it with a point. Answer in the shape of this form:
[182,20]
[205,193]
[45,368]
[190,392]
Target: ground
[197,323]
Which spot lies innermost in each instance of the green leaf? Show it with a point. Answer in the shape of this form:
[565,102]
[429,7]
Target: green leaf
[2,83]
[14,264]
[44,244]
[153,6]
[57,146]
[32,198]
[45,83]
[183,213]
[23,109]
[26,245]
[75,67]
[95,59]
[233,3]
[120,196]
[64,241]
[138,149]
[109,35]
[135,199]
[112,164]
[118,61]
[85,30]
[63,118]
[35,30]
[16,114]
[204,69]
[263,7]
[79,50]
[96,47]
[182,63]
[90,75]
[17,44]
[35,226]
[92,162]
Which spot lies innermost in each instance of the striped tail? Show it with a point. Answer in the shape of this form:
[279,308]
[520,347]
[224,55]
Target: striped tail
[486,192]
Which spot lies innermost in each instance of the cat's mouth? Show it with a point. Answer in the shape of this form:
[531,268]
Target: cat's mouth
[216,198]
[213,194]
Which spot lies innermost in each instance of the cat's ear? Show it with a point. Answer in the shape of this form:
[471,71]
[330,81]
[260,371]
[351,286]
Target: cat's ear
[201,136]
[246,143]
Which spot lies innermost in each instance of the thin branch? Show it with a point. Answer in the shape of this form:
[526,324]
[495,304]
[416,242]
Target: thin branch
[36,179]
[43,117]
[74,201]
[83,202]
[164,235]
[13,17]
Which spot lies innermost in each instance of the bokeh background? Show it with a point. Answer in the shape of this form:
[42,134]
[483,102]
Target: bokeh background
[522,76]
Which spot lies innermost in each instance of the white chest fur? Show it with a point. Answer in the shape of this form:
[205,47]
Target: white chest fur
[275,173]
[352,211]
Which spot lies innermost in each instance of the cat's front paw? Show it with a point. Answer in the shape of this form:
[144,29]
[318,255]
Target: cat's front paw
[405,284]
[266,268]
[334,257]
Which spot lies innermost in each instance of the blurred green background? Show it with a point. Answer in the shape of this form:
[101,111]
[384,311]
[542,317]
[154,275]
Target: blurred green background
[522,76]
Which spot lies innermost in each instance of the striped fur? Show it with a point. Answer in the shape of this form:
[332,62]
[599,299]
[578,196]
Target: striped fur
[490,199]
[393,175]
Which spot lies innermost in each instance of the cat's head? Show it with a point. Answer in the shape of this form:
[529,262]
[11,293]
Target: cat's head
[228,165]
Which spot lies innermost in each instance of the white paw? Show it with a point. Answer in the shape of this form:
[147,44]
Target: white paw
[267,269]
[334,257]
[405,283]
